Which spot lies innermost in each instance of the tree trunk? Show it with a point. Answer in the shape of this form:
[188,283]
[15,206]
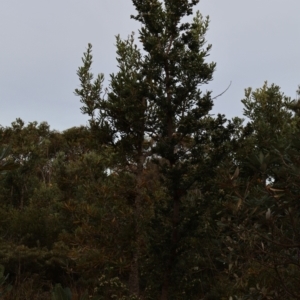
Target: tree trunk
[134,278]
[22,198]
[174,245]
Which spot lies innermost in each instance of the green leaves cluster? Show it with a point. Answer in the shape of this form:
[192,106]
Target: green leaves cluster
[156,198]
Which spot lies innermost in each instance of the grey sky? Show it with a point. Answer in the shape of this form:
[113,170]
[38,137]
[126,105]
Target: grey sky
[42,43]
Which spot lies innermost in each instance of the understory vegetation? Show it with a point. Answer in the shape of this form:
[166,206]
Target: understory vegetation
[156,198]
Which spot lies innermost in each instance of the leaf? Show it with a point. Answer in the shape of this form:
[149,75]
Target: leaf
[239,203]
[236,174]
[60,293]
[261,157]
[275,190]
[268,214]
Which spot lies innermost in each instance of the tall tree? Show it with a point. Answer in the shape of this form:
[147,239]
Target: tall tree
[155,109]
[188,141]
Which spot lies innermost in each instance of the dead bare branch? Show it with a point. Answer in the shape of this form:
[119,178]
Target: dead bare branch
[222,92]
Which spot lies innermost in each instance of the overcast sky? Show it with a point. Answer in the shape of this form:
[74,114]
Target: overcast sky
[42,43]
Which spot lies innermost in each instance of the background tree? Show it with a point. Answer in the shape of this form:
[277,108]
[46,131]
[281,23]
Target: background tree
[259,198]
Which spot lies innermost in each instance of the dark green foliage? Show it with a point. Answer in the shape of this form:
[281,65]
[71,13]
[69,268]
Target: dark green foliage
[154,110]
[260,216]
[5,164]
[156,198]
[60,293]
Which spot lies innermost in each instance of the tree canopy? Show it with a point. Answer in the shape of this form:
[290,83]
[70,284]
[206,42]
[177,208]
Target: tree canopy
[156,198]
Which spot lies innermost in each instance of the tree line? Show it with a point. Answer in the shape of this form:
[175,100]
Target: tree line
[156,198]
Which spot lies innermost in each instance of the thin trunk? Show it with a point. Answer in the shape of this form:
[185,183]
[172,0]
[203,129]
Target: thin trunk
[134,278]
[176,195]
[22,198]
[11,196]
[174,245]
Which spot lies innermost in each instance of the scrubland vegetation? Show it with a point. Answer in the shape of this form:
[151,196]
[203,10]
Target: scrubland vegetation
[156,198]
